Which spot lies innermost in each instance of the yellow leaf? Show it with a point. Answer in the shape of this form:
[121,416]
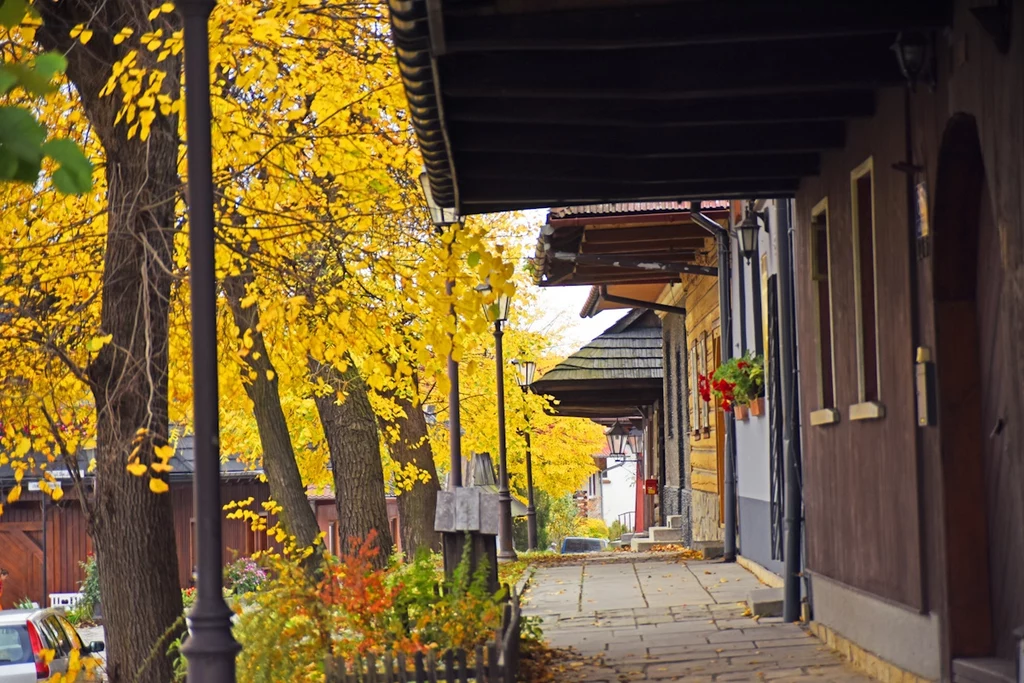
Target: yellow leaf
[81,33]
[158,485]
[165,452]
[97,343]
[14,494]
[24,445]
[270,375]
[57,493]
[18,474]
[154,14]
[167,7]
[163,468]
[136,468]
[122,35]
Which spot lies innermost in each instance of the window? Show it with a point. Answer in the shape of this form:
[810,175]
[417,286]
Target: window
[862,200]
[332,533]
[821,289]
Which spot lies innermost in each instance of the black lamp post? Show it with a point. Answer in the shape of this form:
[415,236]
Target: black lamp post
[498,311]
[210,649]
[527,369]
[443,218]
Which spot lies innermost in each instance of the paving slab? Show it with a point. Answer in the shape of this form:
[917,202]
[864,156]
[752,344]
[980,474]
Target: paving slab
[647,617]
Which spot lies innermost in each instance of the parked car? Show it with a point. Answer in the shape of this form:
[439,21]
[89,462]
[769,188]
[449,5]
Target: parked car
[25,633]
[581,544]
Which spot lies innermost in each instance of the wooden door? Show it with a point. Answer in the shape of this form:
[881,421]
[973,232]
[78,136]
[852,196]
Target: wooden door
[1001,412]
[22,557]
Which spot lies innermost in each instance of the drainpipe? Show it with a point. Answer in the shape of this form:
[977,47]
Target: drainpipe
[790,416]
[725,314]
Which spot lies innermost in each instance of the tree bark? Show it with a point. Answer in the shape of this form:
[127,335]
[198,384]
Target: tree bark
[350,427]
[132,528]
[279,464]
[416,507]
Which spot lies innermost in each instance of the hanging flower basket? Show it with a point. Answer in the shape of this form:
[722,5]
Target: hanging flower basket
[737,382]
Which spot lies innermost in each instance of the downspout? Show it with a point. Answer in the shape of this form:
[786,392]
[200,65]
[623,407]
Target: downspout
[725,315]
[790,416]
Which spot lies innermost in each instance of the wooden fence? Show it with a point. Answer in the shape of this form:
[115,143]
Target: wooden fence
[497,662]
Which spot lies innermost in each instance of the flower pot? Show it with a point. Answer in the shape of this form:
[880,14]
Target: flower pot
[740,412]
[757,407]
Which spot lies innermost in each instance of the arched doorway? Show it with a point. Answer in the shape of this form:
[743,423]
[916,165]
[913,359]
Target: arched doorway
[983,480]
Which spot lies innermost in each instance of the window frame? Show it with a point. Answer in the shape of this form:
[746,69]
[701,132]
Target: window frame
[824,414]
[865,409]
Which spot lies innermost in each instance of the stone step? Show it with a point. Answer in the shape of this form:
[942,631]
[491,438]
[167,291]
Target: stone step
[665,534]
[709,550]
[626,538]
[765,602]
[983,670]
[674,521]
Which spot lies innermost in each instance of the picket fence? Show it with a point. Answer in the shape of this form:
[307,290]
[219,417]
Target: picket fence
[497,662]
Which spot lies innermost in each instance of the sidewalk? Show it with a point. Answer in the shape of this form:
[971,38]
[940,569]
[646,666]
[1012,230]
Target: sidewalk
[654,618]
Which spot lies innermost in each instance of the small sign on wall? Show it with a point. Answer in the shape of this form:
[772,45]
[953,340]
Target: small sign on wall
[651,487]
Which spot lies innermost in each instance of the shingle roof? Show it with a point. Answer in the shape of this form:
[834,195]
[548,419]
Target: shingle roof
[629,349]
[629,208]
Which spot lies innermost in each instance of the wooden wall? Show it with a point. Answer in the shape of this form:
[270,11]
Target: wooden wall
[861,493]
[21,548]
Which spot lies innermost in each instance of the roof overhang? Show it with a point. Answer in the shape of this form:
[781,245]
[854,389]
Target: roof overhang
[633,244]
[537,103]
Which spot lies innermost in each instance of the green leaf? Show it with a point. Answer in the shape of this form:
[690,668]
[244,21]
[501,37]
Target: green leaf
[8,80]
[29,79]
[22,136]
[75,173]
[49,64]
[12,12]
[473,259]
[379,186]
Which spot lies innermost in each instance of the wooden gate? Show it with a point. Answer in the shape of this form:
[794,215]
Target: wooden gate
[22,557]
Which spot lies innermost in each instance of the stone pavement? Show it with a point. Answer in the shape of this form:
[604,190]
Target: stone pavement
[655,618]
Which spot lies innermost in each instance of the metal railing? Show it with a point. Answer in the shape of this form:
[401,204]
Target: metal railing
[628,520]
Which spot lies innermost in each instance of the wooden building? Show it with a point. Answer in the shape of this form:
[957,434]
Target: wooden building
[25,550]
[897,128]
[617,377]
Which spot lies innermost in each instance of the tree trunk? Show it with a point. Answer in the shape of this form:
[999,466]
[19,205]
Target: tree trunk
[132,528]
[416,506]
[353,439]
[279,464]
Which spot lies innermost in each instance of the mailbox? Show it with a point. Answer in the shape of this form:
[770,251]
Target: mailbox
[651,487]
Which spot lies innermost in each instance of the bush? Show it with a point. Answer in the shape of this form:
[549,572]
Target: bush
[244,576]
[593,528]
[616,530]
[89,587]
[296,629]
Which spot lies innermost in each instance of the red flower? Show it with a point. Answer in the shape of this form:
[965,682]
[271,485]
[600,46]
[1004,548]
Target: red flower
[726,406]
[704,388]
[742,364]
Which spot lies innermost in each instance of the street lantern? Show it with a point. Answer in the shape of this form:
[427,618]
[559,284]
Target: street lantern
[527,369]
[617,437]
[915,57]
[746,233]
[441,217]
[636,440]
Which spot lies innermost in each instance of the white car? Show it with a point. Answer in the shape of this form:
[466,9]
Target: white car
[24,634]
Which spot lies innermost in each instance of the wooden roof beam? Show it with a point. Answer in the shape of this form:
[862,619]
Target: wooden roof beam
[696,22]
[825,106]
[651,171]
[628,147]
[541,193]
[796,66]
